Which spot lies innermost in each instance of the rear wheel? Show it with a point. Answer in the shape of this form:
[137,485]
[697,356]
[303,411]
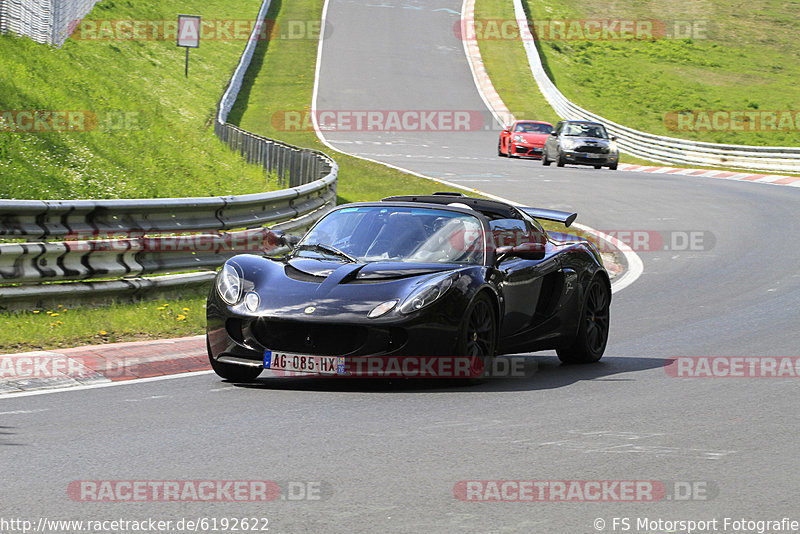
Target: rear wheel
[232,372]
[500,149]
[546,162]
[590,343]
[478,336]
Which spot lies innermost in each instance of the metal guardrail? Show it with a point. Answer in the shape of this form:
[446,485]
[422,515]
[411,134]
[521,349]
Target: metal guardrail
[668,150]
[125,238]
[44,21]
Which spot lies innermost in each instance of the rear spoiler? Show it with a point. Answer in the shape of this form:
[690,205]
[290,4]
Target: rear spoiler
[563,217]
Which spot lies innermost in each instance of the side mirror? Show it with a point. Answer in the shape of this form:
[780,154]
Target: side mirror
[526,251]
[553,133]
[288,240]
[506,130]
[613,137]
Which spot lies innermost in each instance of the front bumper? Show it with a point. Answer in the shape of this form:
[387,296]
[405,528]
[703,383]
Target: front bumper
[243,340]
[530,151]
[590,158]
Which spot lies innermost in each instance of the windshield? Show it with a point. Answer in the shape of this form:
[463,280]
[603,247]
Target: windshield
[585,130]
[392,233]
[533,127]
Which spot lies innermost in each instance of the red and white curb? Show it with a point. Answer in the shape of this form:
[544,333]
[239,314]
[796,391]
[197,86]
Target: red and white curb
[484,84]
[101,364]
[774,179]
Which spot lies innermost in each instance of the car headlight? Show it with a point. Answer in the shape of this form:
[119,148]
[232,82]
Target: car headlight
[382,309]
[252,301]
[612,146]
[568,144]
[426,294]
[229,284]
[519,139]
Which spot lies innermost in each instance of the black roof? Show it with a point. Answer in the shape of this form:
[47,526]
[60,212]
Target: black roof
[494,208]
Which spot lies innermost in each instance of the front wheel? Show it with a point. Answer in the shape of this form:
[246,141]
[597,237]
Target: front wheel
[478,335]
[613,166]
[560,161]
[590,343]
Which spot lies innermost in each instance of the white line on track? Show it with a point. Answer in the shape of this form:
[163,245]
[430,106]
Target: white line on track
[21,412]
[103,385]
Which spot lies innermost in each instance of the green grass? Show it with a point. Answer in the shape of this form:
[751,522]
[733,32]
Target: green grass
[507,65]
[62,327]
[154,136]
[747,62]
[281,78]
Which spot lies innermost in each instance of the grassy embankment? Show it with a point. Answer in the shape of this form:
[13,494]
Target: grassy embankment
[153,136]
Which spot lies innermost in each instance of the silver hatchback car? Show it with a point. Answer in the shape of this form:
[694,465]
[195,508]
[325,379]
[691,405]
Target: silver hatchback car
[581,143]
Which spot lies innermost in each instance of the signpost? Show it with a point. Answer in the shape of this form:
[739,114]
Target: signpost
[188,34]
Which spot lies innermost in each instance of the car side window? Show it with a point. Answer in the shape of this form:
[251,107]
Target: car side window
[559,127]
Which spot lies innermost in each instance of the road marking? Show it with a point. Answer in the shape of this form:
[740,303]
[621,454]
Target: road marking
[151,397]
[19,412]
[104,385]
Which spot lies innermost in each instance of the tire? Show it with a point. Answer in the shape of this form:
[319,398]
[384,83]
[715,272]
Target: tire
[560,161]
[598,166]
[546,162]
[499,149]
[510,155]
[232,372]
[478,333]
[590,342]
[613,166]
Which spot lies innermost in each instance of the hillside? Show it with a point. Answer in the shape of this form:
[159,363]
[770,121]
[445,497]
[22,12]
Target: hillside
[125,122]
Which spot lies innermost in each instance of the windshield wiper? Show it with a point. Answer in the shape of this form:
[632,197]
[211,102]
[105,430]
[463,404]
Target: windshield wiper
[330,250]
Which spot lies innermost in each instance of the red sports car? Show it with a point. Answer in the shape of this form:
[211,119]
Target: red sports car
[523,138]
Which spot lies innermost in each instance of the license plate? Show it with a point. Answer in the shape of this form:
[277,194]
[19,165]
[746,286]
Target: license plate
[303,363]
[591,155]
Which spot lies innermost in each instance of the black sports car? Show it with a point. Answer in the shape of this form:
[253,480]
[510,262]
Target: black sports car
[410,277]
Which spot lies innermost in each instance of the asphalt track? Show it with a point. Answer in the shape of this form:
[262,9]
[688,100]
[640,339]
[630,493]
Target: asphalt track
[389,455]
